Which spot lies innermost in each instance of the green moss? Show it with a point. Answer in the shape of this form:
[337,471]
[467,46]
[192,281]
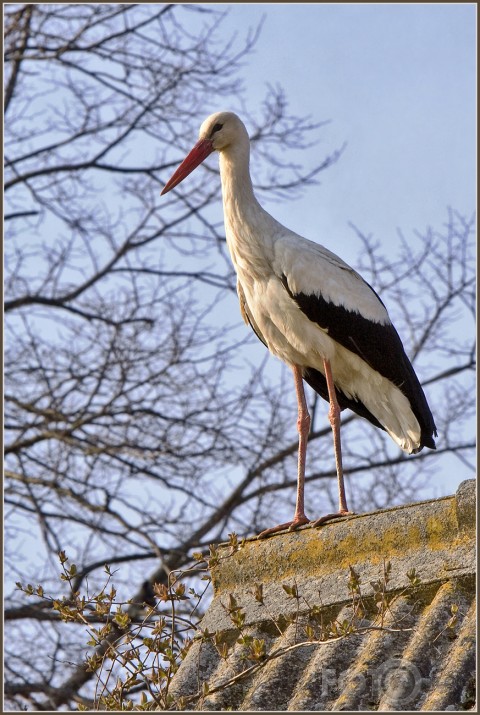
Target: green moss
[430,526]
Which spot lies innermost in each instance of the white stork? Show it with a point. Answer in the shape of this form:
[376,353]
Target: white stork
[314,312]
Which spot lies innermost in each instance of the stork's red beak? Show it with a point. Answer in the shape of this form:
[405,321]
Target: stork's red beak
[199,153]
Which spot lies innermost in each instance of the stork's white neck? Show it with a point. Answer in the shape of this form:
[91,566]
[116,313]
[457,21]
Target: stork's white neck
[248,227]
[237,189]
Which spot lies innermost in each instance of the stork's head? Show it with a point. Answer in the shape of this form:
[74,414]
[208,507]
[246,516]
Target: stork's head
[218,132]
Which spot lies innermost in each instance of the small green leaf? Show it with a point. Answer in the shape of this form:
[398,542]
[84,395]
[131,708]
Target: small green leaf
[290,590]
[258,592]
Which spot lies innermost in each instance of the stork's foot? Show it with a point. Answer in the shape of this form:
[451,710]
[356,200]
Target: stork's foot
[330,517]
[290,525]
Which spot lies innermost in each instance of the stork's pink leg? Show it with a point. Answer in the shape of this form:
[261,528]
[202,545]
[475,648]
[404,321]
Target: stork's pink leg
[334,418]
[303,426]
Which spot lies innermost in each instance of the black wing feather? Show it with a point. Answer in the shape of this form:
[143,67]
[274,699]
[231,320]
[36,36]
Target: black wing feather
[379,345]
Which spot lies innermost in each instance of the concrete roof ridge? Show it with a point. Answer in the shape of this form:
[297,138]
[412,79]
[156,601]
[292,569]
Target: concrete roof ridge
[439,527]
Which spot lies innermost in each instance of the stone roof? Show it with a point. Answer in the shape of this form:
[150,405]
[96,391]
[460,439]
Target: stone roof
[371,612]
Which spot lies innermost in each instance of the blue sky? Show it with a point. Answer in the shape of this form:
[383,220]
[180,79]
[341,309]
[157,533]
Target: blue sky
[397,82]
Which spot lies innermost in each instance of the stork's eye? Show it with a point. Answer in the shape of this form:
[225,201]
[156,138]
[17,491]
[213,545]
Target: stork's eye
[217,128]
